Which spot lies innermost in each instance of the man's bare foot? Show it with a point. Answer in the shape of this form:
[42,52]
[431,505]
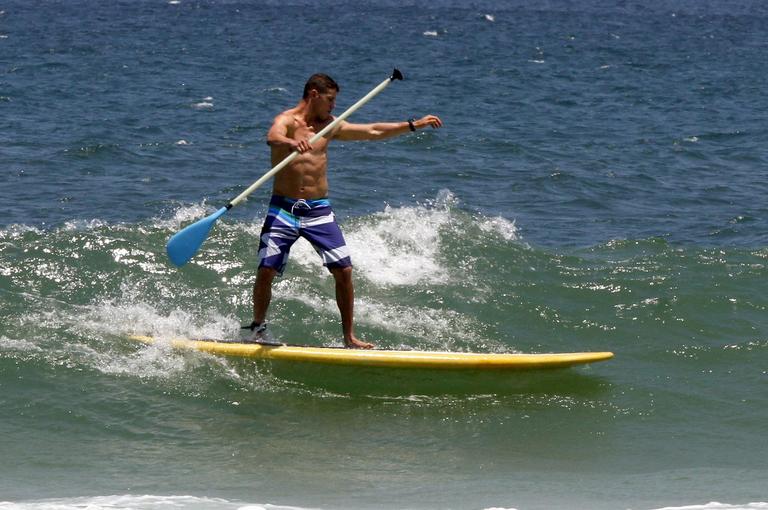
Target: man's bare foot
[356,343]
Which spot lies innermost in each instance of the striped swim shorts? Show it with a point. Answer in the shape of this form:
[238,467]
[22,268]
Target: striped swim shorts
[314,220]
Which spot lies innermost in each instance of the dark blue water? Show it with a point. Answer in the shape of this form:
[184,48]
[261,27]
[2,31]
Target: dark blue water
[584,123]
[599,184]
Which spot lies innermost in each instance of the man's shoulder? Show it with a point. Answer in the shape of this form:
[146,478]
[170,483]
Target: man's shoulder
[286,116]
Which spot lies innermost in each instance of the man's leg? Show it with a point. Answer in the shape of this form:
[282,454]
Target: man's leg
[262,293]
[345,299]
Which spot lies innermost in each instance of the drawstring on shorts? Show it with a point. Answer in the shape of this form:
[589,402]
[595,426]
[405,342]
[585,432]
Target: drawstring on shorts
[301,204]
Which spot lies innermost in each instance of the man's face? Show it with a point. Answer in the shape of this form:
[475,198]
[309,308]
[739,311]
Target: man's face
[324,103]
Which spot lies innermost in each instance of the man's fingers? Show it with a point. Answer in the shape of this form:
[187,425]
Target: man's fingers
[304,146]
[434,121]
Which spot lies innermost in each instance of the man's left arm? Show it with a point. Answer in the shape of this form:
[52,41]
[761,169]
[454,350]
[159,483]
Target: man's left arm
[382,130]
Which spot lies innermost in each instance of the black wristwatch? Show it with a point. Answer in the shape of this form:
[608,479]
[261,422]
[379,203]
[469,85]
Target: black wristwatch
[410,125]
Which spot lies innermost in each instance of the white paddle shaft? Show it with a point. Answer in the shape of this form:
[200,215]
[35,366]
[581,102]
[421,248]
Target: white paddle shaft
[352,109]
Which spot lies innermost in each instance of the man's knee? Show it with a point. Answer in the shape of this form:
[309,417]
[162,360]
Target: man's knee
[265,275]
[342,273]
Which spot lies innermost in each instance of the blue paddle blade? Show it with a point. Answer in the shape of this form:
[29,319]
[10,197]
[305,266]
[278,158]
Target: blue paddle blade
[183,245]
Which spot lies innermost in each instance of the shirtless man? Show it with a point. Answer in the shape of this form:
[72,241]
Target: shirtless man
[299,204]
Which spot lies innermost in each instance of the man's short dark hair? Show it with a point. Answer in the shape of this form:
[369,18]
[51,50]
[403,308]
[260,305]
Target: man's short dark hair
[320,82]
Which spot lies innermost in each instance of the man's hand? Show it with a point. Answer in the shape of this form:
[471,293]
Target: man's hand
[301,145]
[428,120]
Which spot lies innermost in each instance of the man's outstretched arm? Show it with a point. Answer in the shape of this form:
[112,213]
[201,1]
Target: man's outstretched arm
[382,130]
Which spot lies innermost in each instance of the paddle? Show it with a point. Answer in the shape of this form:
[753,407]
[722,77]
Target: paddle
[183,245]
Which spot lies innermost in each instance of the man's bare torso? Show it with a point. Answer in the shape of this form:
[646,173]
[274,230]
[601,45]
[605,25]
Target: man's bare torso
[307,175]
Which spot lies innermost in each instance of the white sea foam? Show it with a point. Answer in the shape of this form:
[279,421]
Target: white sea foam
[16,345]
[80,225]
[502,226]
[430,33]
[145,502]
[205,104]
[399,246]
[404,246]
[719,506]
[184,215]
[131,315]
[17,230]
[95,336]
[431,328]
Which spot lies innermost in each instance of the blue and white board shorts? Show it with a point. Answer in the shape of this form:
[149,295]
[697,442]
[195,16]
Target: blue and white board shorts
[314,220]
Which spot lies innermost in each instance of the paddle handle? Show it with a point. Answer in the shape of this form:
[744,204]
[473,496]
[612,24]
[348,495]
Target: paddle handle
[396,75]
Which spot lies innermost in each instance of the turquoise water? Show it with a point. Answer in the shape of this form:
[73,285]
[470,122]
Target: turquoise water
[599,185]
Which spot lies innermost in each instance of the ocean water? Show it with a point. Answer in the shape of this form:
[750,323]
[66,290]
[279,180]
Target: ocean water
[600,184]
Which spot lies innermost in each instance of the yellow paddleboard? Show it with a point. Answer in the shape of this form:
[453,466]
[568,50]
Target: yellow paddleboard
[386,358]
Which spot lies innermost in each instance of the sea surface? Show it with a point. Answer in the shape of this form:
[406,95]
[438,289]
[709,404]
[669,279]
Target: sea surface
[600,183]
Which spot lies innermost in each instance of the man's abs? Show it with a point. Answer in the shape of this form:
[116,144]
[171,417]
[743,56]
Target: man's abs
[306,177]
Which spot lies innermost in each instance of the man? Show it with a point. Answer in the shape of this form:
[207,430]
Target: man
[299,204]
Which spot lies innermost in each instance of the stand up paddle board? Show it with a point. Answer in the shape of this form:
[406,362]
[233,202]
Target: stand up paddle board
[385,358]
